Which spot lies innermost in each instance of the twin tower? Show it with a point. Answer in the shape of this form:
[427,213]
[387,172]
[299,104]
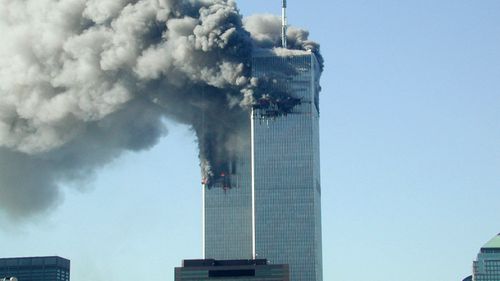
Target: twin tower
[272,210]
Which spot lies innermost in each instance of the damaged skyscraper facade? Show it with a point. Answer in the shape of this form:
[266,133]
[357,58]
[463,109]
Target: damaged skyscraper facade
[272,209]
[267,205]
[286,164]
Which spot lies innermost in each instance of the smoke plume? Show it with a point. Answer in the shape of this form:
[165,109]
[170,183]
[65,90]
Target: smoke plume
[82,81]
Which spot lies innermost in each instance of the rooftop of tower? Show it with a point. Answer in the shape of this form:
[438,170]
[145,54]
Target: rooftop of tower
[280,52]
[493,243]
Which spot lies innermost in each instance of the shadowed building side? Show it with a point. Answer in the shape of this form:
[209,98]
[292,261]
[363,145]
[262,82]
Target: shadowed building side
[227,210]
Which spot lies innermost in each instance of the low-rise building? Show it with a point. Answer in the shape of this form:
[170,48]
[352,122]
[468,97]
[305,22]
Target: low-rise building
[229,270]
[35,268]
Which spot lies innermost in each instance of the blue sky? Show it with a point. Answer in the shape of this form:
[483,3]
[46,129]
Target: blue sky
[410,142]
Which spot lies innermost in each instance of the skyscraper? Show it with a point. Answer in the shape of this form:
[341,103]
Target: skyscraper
[273,209]
[487,265]
[286,164]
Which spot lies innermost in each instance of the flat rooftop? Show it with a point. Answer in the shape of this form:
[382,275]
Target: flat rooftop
[213,262]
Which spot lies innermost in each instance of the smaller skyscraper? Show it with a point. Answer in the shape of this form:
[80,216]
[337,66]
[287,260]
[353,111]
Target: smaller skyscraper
[487,265]
[231,270]
[35,268]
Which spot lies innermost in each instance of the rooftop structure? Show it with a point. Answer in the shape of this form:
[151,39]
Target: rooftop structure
[229,270]
[35,268]
[493,244]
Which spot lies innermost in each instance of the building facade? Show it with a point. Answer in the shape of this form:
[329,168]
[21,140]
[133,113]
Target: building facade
[35,268]
[487,265]
[229,270]
[274,212]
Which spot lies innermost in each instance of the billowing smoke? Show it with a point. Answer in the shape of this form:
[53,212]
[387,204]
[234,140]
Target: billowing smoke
[82,81]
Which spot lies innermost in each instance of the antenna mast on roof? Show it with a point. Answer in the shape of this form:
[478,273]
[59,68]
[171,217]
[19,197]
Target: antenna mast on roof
[284,24]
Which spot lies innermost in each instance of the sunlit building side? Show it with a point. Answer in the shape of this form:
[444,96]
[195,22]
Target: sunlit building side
[286,163]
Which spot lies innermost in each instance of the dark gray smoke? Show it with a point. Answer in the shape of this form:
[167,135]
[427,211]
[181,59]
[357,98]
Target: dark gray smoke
[81,81]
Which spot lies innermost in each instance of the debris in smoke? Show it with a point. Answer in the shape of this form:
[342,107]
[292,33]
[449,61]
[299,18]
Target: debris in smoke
[82,81]
[273,107]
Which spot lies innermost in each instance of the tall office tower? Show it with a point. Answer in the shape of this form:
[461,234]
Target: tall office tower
[487,265]
[286,163]
[35,268]
[271,206]
[273,209]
